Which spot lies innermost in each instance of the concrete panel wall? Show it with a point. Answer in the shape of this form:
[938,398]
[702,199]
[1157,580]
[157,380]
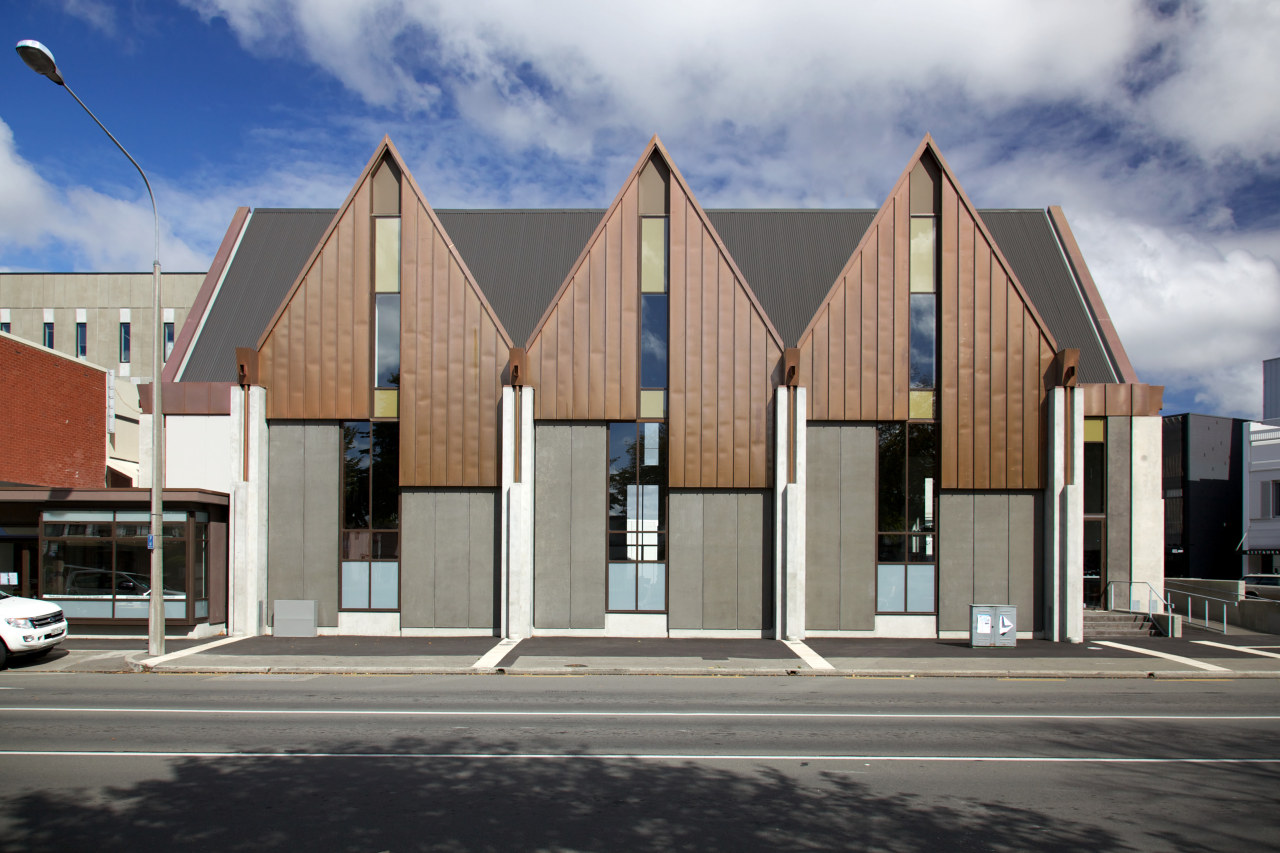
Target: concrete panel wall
[720,560]
[990,552]
[1119,499]
[302,532]
[448,558]
[570,474]
[840,592]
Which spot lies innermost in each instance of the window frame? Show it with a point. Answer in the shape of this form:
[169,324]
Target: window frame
[371,537]
[903,560]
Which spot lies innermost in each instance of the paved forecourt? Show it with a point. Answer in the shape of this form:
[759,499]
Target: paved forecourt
[1198,654]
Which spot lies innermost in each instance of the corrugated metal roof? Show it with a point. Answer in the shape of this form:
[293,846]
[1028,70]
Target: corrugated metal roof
[791,258]
[1027,240]
[276,243]
[519,257]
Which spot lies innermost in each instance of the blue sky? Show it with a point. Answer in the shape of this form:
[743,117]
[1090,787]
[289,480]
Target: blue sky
[1154,124]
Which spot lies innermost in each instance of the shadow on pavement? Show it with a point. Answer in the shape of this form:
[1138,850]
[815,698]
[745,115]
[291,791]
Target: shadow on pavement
[409,802]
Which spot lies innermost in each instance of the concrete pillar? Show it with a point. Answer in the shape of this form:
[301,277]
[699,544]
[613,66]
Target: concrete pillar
[1064,518]
[789,514]
[1146,539]
[516,499]
[247,530]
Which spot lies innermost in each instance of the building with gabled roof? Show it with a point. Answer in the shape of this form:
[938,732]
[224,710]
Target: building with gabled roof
[659,420]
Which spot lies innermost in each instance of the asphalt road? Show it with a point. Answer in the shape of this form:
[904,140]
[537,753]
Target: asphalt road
[245,762]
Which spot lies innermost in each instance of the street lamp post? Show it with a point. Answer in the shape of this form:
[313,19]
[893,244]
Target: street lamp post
[40,60]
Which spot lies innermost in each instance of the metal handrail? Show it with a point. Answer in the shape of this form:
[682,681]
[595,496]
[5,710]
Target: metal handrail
[1152,597]
[1205,610]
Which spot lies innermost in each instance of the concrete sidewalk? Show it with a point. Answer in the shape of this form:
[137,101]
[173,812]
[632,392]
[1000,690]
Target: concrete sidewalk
[1196,655]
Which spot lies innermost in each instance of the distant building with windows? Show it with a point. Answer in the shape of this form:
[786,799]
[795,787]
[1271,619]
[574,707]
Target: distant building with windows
[102,318]
[1261,480]
[655,419]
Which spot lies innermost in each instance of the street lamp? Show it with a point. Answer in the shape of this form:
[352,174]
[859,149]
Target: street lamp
[40,60]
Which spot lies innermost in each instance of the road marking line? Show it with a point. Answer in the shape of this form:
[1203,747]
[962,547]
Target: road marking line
[495,654]
[1244,649]
[630,756]
[808,655]
[1175,658]
[772,715]
[204,647]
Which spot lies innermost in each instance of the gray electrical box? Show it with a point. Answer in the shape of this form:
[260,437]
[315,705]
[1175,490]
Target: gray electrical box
[295,618]
[993,625]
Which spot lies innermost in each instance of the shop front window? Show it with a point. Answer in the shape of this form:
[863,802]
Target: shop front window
[95,563]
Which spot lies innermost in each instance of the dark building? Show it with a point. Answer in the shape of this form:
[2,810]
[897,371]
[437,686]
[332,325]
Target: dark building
[1202,511]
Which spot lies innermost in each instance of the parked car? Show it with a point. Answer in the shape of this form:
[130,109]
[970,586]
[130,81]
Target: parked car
[29,626]
[1262,586]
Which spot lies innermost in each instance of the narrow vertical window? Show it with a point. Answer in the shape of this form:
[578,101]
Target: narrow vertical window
[637,574]
[124,342]
[48,335]
[82,340]
[386,287]
[370,572]
[923,286]
[907,471]
[168,340]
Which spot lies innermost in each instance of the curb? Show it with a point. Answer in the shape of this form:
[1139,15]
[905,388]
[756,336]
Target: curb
[139,665]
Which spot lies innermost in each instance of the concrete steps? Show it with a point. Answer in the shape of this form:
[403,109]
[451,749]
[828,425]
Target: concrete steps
[1106,624]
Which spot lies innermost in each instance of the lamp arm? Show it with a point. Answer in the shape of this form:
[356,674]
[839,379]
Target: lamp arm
[154,213]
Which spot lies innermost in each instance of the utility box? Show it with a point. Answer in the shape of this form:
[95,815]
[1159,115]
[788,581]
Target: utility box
[295,618]
[993,625]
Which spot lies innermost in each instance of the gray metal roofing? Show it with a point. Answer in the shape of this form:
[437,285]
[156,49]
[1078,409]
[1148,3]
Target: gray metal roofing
[275,245]
[1027,240]
[519,257]
[790,259]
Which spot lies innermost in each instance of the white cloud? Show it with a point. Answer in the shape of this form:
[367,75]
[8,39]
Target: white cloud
[1190,316]
[100,232]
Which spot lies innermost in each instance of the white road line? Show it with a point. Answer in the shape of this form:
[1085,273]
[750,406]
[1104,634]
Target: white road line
[204,647]
[633,756]
[1175,658]
[1244,649]
[808,655]
[495,654]
[477,713]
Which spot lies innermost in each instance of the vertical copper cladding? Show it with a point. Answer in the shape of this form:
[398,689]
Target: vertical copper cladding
[993,347]
[722,350]
[317,354]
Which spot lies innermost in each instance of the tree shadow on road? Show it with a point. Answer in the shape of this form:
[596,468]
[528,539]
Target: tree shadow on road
[405,799]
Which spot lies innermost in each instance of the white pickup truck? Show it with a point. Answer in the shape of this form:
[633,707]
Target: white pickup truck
[29,626]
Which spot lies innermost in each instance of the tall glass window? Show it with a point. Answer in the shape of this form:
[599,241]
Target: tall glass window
[82,340]
[370,572]
[168,340]
[907,503]
[48,335]
[125,335]
[388,340]
[637,579]
[923,278]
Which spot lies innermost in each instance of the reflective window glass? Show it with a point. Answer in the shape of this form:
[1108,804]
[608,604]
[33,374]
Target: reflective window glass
[923,339]
[653,340]
[387,307]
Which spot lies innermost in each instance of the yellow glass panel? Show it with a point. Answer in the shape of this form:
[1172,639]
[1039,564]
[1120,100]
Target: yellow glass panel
[653,254]
[653,404]
[920,404]
[386,404]
[386,255]
[923,263]
[1095,429]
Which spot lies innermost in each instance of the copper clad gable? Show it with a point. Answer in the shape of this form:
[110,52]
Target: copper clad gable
[316,358]
[723,358]
[993,347]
